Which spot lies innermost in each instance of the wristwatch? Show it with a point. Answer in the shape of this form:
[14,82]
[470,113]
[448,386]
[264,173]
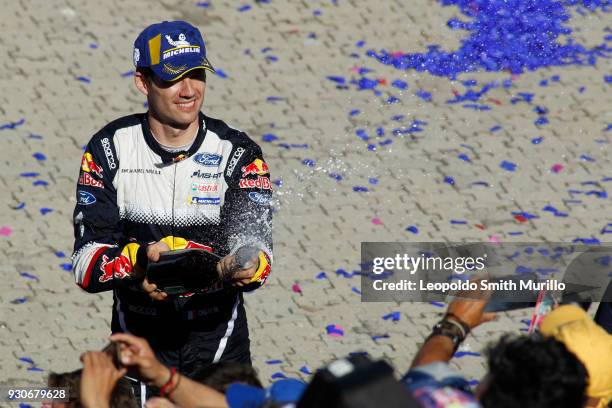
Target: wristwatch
[451,328]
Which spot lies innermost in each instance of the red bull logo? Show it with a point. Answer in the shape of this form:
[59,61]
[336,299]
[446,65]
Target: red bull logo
[256,168]
[119,268]
[89,166]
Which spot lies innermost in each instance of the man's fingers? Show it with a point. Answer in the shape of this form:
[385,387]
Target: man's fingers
[489,316]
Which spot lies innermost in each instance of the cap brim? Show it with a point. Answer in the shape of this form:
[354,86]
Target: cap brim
[170,73]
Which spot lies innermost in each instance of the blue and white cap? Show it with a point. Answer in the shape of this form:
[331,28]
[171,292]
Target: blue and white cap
[171,49]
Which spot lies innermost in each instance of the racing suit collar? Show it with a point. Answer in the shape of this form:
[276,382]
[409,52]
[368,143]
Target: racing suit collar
[169,157]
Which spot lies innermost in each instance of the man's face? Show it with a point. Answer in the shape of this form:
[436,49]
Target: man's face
[175,103]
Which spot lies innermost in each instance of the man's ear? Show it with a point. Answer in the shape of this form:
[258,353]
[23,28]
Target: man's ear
[141,83]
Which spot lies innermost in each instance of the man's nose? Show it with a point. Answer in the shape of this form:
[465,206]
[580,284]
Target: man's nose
[187,88]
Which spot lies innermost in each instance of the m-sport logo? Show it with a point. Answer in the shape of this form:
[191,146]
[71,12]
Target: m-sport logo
[208,159]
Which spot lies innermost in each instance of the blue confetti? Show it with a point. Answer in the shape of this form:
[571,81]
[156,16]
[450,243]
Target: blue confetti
[273,98]
[458,222]
[524,214]
[436,304]
[19,206]
[392,99]
[305,370]
[513,36]
[40,183]
[127,74]
[542,120]
[506,165]
[321,275]
[66,266]
[584,157]
[460,354]
[537,140]
[354,112]
[29,276]
[373,180]
[449,180]
[424,95]
[360,189]
[464,157]
[83,79]
[12,125]
[357,291]
[412,229]
[335,176]
[334,330]
[308,162]
[278,375]
[317,12]
[39,156]
[203,4]
[45,211]
[553,210]
[477,107]
[269,137]
[381,336]
[399,84]
[33,136]
[220,73]
[272,58]
[60,254]
[277,182]
[35,369]
[271,362]
[495,129]
[360,44]
[393,316]
[244,8]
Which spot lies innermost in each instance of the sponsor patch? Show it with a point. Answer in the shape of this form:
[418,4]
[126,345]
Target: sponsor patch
[119,268]
[89,166]
[261,183]
[234,161]
[205,175]
[110,158]
[208,159]
[257,167]
[206,200]
[85,179]
[85,198]
[204,188]
[259,198]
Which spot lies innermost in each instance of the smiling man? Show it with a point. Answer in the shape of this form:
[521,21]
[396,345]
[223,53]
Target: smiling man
[173,178]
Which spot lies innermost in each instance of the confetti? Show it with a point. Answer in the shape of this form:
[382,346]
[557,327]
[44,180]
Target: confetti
[83,79]
[355,290]
[321,275]
[412,229]
[334,330]
[278,375]
[269,137]
[39,156]
[45,211]
[296,288]
[305,370]
[12,125]
[29,276]
[376,221]
[360,189]
[509,166]
[393,316]
[556,168]
[273,362]
[460,354]
[6,231]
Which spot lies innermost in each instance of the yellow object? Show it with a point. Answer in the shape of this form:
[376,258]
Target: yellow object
[130,251]
[592,345]
[263,270]
[154,49]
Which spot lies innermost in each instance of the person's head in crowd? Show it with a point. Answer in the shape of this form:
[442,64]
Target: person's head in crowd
[592,345]
[122,396]
[532,372]
[219,376]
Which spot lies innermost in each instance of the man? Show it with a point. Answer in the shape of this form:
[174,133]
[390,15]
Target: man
[173,178]
[524,371]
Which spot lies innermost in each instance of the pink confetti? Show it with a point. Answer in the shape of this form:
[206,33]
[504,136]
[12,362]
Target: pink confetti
[376,221]
[5,231]
[494,239]
[556,168]
[296,288]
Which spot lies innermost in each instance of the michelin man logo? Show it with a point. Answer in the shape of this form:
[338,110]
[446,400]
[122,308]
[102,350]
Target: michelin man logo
[136,56]
[181,42]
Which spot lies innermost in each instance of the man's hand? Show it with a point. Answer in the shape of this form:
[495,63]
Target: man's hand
[468,306]
[229,270]
[139,358]
[157,402]
[154,251]
[98,379]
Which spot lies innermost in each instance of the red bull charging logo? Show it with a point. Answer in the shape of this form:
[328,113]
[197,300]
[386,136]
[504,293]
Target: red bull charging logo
[119,268]
[257,168]
[89,166]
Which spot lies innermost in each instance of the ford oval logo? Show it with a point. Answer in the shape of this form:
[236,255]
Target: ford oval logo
[85,198]
[208,159]
[259,198]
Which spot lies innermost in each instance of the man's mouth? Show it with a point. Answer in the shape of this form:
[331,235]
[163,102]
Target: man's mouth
[186,106]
